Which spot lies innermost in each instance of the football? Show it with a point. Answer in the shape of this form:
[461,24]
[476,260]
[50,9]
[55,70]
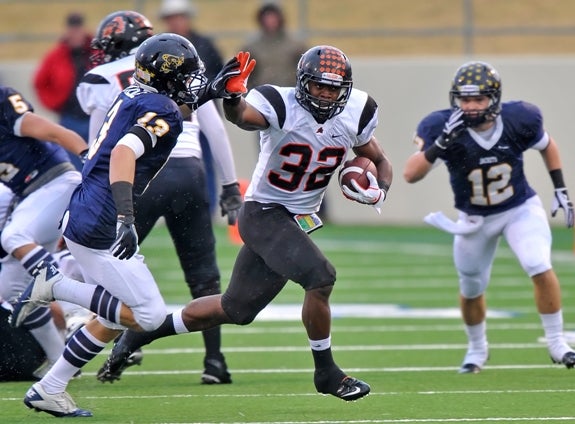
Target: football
[356,169]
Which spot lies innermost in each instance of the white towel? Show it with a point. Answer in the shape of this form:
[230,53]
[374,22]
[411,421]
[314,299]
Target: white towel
[464,225]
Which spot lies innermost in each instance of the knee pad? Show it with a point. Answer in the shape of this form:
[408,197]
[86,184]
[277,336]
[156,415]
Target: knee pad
[150,315]
[471,286]
[11,239]
[240,313]
[534,264]
[319,276]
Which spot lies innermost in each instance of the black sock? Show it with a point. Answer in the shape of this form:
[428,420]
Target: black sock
[323,358]
[213,341]
[136,339]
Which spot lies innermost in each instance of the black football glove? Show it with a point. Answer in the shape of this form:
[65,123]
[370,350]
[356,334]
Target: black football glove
[126,243]
[453,127]
[231,201]
[217,87]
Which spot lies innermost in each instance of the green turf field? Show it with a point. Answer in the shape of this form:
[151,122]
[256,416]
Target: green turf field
[408,350]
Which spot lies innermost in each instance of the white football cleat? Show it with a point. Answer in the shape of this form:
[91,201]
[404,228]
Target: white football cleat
[59,404]
[38,293]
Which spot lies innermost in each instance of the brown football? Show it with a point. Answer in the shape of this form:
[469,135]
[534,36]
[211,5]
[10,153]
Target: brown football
[356,169]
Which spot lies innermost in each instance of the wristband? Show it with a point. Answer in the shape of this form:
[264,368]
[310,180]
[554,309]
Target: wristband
[122,194]
[432,153]
[235,183]
[557,178]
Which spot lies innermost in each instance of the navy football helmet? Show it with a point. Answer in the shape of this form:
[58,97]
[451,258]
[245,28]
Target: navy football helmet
[169,64]
[119,33]
[477,79]
[325,65]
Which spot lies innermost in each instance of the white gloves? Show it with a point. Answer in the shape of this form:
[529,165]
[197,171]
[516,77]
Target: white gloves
[373,195]
[561,201]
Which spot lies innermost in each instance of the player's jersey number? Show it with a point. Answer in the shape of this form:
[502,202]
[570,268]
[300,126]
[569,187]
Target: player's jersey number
[19,105]
[491,186]
[157,126]
[297,165]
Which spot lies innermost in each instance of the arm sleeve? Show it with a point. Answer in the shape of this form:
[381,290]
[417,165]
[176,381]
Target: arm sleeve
[212,126]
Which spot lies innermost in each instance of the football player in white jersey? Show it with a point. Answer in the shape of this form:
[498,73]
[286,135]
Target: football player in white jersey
[179,191]
[482,141]
[306,132]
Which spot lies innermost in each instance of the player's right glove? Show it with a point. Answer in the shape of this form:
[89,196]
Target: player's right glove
[126,243]
[561,201]
[451,130]
[373,195]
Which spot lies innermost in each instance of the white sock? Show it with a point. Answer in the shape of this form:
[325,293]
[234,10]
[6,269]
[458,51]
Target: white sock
[63,371]
[477,337]
[553,328]
[320,344]
[178,322]
[73,291]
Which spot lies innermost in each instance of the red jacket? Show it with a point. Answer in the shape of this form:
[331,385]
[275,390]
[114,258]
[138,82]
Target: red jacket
[55,79]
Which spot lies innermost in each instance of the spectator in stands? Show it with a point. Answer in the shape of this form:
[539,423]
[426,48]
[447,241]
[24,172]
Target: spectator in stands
[276,52]
[60,72]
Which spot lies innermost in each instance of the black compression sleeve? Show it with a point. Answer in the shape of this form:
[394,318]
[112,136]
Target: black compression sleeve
[557,178]
[122,194]
[432,153]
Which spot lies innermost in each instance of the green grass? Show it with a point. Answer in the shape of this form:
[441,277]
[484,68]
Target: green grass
[409,361]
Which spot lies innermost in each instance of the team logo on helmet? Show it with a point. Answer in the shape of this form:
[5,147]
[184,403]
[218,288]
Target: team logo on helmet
[116,26]
[332,65]
[171,63]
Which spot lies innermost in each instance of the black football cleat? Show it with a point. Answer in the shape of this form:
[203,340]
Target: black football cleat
[469,369]
[120,358]
[216,371]
[336,383]
[568,360]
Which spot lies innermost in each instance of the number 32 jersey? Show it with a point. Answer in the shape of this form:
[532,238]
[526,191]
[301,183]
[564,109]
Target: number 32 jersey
[297,155]
[486,170]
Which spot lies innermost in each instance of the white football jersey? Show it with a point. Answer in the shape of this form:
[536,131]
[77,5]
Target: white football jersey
[297,155]
[100,86]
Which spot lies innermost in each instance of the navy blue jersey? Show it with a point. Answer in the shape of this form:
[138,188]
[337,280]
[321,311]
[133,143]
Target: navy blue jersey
[22,159]
[92,221]
[487,175]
